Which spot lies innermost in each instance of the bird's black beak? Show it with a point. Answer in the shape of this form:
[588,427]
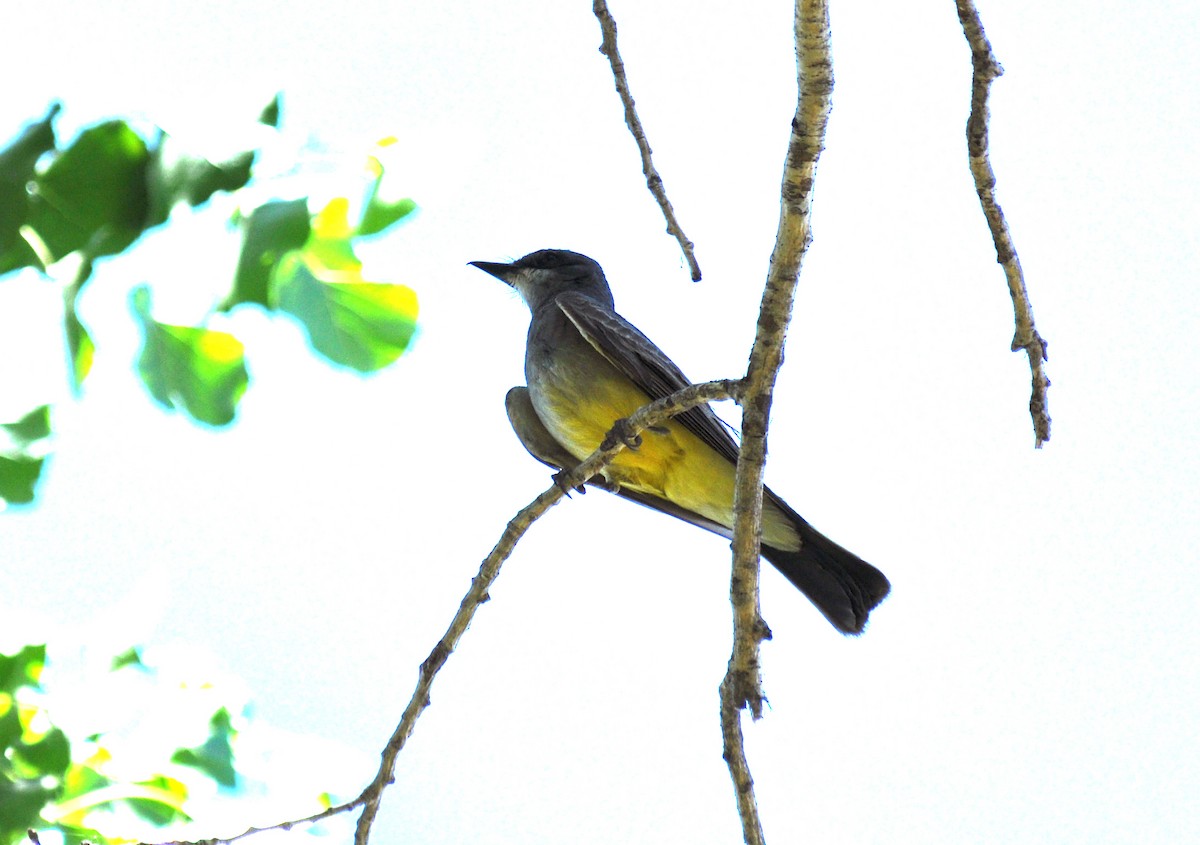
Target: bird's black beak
[501,271]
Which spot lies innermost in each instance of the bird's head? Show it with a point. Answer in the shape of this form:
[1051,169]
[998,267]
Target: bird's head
[540,276]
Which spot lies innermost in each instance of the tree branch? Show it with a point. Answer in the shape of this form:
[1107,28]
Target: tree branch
[985,69]
[649,415]
[608,46]
[741,688]
[653,414]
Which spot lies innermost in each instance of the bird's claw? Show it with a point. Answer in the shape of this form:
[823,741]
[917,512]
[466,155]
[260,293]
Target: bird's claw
[560,481]
[622,432]
[605,483]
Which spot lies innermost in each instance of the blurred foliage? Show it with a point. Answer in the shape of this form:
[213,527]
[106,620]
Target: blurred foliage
[21,459]
[73,786]
[196,369]
[358,323]
[94,198]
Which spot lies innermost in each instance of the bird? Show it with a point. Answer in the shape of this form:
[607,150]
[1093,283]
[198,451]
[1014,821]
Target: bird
[587,367]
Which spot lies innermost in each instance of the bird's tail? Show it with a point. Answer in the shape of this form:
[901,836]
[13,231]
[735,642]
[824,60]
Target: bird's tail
[843,586]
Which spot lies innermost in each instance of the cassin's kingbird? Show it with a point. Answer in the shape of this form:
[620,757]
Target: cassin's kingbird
[587,367]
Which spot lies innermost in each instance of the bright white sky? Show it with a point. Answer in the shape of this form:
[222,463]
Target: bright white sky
[1034,676]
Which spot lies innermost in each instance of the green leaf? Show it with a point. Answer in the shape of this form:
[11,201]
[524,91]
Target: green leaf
[50,755]
[329,245]
[23,669]
[129,657]
[17,163]
[11,728]
[175,175]
[74,835]
[165,802]
[359,324]
[19,476]
[31,428]
[222,723]
[94,196]
[350,321]
[215,756]
[160,798]
[379,215]
[21,802]
[272,230]
[81,779]
[270,114]
[21,467]
[195,369]
[21,254]
[80,345]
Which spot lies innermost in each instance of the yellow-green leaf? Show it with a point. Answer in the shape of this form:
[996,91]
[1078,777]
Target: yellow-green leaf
[200,371]
[361,325]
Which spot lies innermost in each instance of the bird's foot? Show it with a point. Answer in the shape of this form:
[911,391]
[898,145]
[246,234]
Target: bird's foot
[605,483]
[622,432]
[560,481]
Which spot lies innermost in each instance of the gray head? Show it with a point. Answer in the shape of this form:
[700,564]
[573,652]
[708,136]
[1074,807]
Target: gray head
[542,275]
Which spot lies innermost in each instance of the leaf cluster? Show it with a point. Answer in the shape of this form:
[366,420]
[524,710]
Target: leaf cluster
[93,198]
[49,782]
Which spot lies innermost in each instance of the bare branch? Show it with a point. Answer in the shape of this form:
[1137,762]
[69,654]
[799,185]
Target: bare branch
[733,751]
[742,685]
[287,825]
[985,69]
[608,27]
[652,414]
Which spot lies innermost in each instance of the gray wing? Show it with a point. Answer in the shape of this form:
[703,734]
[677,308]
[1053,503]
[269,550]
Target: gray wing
[645,364]
[532,432]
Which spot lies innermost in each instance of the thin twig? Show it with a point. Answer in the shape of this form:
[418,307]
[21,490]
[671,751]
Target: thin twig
[288,825]
[985,69]
[608,28]
[652,414]
[741,688]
